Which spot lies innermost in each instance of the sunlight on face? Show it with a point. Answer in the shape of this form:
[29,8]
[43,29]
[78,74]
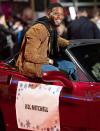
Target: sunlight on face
[57,15]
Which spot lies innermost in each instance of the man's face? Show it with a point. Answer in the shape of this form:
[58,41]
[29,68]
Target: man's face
[56,16]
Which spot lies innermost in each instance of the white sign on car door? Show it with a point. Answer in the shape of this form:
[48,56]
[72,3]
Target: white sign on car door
[37,106]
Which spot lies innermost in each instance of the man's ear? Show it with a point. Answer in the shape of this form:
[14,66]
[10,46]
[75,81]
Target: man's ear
[50,13]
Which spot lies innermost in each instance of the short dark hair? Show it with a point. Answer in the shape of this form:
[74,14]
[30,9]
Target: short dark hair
[82,9]
[53,5]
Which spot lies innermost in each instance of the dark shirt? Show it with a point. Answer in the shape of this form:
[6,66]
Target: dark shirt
[83,28]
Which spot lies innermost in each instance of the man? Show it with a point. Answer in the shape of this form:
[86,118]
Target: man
[40,49]
[83,27]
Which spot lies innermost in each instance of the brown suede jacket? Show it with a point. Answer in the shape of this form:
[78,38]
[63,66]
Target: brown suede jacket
[34,49]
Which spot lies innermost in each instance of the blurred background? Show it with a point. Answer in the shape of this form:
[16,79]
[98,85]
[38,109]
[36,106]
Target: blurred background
[16,16]
[39,6]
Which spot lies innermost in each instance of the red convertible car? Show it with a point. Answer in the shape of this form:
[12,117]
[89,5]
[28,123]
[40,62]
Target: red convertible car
[79,100]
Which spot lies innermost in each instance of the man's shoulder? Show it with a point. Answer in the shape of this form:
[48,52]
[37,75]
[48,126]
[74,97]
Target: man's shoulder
[37,29]
[74,24]
[37,25]
[41,24]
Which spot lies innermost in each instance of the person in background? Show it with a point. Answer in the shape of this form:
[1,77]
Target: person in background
[3,20]
[83,27]
[40,50]
[27,15]
[25,22]
[7,40]
[96,18]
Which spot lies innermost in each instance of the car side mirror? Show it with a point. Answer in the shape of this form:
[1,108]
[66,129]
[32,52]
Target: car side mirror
[52,76]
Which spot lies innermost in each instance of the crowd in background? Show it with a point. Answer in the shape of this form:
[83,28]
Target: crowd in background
[13,29]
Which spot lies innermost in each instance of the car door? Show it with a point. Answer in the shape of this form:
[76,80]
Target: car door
[80,107]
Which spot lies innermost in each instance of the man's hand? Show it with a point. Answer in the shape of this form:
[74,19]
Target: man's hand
[51,61]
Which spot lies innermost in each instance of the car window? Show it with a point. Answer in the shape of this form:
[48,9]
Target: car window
[89,57]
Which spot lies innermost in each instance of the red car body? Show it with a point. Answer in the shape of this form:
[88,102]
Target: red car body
[79,101]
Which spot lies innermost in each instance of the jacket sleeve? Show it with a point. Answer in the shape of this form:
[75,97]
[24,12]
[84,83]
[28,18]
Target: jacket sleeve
[62,42]
[34,38]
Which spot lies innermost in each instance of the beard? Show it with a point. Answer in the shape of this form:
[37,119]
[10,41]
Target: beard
[55,22]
